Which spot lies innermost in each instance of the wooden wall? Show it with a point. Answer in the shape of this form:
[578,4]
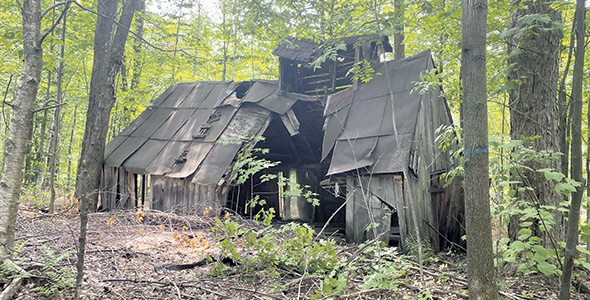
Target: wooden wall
[184,197]
[373,199]
[118,189]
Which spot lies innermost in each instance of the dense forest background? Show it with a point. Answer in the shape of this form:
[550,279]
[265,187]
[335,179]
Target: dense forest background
[192,40]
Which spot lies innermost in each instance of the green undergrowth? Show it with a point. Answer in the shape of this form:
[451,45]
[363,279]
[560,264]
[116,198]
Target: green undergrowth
[293,251]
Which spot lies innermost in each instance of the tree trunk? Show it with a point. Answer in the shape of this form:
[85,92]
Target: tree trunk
[398,36]
[54,152]
[577,107]
[109,47]
[70,146]
[533,108]
[22,117]
[480,265]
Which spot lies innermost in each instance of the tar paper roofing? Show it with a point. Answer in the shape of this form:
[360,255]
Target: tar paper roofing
[194,130]
[360,126]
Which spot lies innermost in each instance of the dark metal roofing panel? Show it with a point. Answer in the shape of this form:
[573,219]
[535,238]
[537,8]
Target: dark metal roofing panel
[139,160]
[126,149]
[225,116]
[389,157]
[297,49]
[164,95]
[114,144]
[278,104]
[218,94]
[195,155]
[167,157]
[193,125]
[248,121]
[352,154]
[365,119]
[216,164]
[338,101]
[261,90]
[144,116]
[157,118]
[370,117]
[334,125]
[175,122]
[182,90]
[198,94]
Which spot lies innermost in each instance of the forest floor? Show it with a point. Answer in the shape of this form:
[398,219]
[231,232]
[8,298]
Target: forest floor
[155,255]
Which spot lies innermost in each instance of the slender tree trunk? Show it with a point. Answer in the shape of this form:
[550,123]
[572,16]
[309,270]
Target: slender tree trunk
[480,265]
[533,109]
[137,63]
[196,66]
[109,47]
[22,117]
[70,146]
[54,152]
[225,44]
[577,107]
[398,36]
[562,103]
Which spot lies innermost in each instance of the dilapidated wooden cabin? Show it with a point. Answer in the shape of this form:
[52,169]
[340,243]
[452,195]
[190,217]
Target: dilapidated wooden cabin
[381,141]
[372,146]
[181,149]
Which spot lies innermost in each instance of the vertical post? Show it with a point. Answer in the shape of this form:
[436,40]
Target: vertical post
[357,58]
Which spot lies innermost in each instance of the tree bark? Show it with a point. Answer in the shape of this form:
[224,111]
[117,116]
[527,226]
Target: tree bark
[109,46]
[480,265]
[54,152]
[22,117]
[574,212]
[398,35]
[533,108]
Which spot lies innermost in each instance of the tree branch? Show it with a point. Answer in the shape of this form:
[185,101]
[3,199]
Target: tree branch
[63,12]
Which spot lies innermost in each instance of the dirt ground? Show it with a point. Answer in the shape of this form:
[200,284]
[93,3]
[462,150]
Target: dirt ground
[137,255]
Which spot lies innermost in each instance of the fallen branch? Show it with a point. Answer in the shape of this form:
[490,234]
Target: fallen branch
[11,289]
[435,290]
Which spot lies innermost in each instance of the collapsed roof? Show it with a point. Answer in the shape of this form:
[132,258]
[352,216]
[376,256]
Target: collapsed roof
[194,130]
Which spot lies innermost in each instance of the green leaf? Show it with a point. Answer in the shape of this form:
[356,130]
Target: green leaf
[546,268]
[550,174]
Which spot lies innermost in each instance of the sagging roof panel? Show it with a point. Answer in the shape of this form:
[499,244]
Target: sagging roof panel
[199,136]
[370,116]
[260,90]
[178,95]
[175,122]
[172,152]
[198,94]
[126,149]
[138,161]
[195,155]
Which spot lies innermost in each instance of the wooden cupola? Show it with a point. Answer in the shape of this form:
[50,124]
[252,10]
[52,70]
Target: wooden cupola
[297,73]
